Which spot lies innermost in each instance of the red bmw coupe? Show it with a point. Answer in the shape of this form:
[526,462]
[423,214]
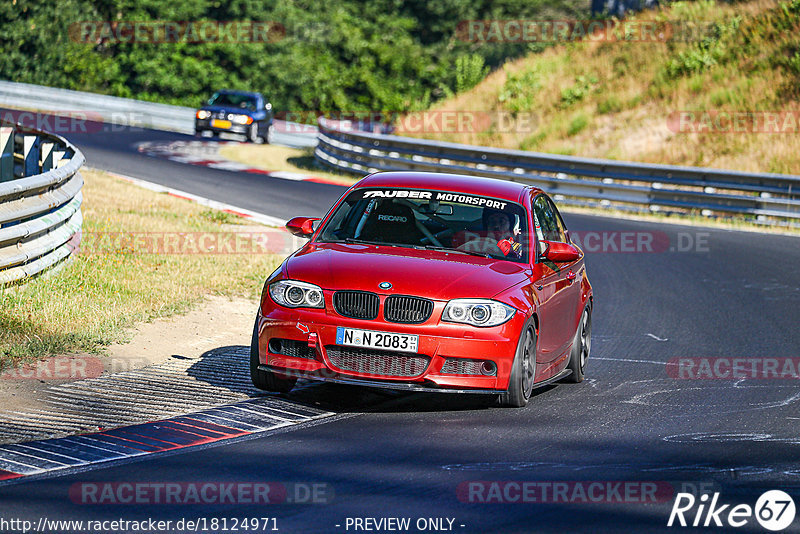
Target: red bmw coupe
[428,282]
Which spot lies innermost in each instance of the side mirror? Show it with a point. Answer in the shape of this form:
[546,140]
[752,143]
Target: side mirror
[302,226]
[559,252]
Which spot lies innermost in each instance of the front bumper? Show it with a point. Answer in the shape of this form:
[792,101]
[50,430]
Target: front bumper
[206,125]
[437,341]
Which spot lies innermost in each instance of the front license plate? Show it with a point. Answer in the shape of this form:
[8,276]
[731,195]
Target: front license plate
[216,123]
[376,340]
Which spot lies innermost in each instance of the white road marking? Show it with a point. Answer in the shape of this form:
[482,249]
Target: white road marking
[627,360]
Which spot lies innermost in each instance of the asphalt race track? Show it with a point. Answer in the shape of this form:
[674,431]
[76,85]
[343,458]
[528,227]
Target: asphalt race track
[702,293]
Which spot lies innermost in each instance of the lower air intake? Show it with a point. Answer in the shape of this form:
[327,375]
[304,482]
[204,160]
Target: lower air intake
[463,366]
[293,348]
[379,363]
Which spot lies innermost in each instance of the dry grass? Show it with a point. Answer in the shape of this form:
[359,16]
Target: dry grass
[632,89]
[281,158]
[95,298]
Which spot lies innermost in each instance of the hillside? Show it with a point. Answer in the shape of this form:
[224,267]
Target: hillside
[727,96]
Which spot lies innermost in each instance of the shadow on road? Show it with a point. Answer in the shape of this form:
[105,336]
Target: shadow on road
[228,367]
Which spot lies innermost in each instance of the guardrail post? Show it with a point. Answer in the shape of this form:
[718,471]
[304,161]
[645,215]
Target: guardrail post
[48,150]
[30,155]
[6,154]
[59,153]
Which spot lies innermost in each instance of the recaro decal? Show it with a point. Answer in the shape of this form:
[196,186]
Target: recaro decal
[392,218]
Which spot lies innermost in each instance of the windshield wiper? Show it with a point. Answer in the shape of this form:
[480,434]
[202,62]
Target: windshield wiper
[468,252]
[367,242]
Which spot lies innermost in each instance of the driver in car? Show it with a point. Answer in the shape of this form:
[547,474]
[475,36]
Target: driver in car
[499,235]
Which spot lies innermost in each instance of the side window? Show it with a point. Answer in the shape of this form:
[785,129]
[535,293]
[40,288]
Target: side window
[547,222]
[562,228]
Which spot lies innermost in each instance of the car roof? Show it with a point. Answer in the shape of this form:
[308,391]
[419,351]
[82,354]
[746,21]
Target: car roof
[472,185]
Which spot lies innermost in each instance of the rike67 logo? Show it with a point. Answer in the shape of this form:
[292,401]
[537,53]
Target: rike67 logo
[774,510]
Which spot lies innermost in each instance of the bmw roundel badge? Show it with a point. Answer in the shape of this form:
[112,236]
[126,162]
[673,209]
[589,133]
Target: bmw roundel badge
[385,285]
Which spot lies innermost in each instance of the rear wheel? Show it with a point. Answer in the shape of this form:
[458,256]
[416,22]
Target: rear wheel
[581,347]
[523,371]
[270,137]
[266,380]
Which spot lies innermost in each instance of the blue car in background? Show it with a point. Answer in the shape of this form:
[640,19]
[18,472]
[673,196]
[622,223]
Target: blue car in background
[236,112]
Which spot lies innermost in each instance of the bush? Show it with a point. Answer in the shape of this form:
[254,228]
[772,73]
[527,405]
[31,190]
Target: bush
[706,53]
[578,123]
[470,71]
[519,90]
[611,104]
[583,86]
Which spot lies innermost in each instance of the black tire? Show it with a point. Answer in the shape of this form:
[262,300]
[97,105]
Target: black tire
[252,134]
[266,380]
[581,347]
[268,137]
[523,371]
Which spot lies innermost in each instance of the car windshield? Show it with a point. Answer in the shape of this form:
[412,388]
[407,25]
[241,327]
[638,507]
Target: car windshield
[232,100]
[442,220]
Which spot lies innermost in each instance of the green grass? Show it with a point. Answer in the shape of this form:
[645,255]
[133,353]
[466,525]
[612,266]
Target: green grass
[577,124]
[106,290]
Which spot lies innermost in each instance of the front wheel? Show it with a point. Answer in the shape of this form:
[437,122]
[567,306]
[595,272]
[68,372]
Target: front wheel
[266,380]
[581,347]
[523,371]
[252,135]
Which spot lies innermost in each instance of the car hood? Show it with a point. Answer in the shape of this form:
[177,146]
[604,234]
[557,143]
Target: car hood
[427,273]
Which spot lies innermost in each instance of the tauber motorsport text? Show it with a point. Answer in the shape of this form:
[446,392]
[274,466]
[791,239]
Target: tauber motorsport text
[774,510]
[446,197]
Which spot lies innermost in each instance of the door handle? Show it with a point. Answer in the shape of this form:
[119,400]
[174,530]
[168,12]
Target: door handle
[571,277]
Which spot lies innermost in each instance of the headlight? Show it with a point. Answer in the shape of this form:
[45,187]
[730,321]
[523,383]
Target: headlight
[294,294]
[241,119]
[477,312]
[202,114]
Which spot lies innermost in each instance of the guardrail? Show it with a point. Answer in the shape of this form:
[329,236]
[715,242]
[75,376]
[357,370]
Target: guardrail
[127,111]
[765,197]
[109,109]
[40,201]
